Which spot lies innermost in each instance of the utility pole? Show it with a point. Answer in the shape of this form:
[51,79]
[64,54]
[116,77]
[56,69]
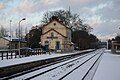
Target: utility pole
[10,35]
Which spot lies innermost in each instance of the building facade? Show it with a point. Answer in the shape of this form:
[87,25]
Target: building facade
[13,43]
[56,36]
[115,47]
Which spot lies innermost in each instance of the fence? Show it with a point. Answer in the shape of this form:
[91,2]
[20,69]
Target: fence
[14,53]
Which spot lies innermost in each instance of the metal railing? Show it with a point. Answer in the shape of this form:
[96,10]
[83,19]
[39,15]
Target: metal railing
[14,53]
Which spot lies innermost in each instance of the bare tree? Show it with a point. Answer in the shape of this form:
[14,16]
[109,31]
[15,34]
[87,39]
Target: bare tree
[17,33]
[46,17]
[21,33]
[87,28]
[26,30]
[12,33]
[3,31]
[72,20]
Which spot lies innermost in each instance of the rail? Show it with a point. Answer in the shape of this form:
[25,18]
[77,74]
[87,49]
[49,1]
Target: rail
[34,76]
[43,64]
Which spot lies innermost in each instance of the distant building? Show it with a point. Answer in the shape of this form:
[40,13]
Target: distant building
[7,42]
[56,35]
[115,47]
[104,44]
[101,44]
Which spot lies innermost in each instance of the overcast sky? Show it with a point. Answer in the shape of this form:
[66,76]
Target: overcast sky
[102,15]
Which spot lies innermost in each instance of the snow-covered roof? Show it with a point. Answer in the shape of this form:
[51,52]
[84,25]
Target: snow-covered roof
[13,39]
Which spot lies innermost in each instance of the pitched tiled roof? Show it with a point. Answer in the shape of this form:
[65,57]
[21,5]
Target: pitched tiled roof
[56,19]
[12,39]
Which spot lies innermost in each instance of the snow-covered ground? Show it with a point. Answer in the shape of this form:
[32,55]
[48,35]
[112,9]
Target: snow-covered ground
[79,73]
[109,67]
[9,62]
[59,71]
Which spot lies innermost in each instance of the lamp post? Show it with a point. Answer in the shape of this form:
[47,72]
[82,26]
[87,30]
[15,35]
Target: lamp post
[10,34]
[19,34]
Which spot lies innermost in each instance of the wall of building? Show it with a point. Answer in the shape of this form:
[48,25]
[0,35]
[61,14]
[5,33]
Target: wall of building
[4,43]
[64,42]
[52,42]
[15,45]
[58,27]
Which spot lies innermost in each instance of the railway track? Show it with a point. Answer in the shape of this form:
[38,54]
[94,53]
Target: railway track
[50,62]
[60,69]
[86,70]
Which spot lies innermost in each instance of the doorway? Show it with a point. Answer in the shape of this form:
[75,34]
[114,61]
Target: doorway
[57,45]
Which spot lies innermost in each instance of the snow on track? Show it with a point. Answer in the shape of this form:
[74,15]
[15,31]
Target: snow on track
[79,73]
[63,70]
[43,70]
[10,62]
[55,72]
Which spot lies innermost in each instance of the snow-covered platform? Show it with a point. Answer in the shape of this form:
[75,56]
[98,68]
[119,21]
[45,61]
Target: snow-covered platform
[10,62]
[109,67]
[12,66]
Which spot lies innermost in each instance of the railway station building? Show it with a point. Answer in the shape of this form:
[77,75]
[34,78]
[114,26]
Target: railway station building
[56,36]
